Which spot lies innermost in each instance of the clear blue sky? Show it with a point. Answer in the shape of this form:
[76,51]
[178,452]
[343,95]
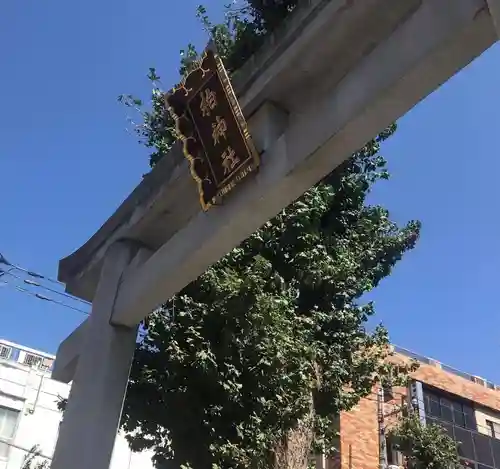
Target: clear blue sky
[66,162]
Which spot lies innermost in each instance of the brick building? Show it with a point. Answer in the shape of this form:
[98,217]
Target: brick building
[467,406]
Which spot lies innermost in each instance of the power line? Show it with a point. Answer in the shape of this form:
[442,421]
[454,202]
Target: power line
[39,285]
[42,297]
[32,451]
[31,273]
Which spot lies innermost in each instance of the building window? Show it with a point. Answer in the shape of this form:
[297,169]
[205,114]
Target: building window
[5,352]
[442,407]
[37,361]
[493,429]
[46,364]
[32,360]
[8,424]
[456,416]
[394,457]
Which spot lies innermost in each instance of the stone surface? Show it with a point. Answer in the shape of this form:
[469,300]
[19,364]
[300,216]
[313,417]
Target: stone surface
[93,412]
[166,199]
[327,124]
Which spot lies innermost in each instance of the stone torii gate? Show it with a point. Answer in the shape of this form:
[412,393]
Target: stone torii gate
[334,75]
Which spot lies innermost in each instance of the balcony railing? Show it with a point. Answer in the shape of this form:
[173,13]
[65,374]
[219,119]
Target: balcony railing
[477,450]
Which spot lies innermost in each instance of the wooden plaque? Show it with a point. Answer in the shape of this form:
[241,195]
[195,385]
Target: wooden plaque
[213,130]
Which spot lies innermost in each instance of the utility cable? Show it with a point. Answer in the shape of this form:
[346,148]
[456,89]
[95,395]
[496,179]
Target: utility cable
[42,297]
[39,285]
[30,451]
[31,273]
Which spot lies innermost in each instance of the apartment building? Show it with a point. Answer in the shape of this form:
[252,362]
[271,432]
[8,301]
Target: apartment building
[466,406]
[29,415]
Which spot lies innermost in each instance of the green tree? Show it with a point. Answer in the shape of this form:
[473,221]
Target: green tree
[250,365]
[424,446]
[34,460]
[243,31]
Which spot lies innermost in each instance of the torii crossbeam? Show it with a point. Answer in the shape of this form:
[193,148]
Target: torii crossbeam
[337,73]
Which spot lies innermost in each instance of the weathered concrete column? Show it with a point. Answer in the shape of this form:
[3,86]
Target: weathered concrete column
[95,403]
[494,7]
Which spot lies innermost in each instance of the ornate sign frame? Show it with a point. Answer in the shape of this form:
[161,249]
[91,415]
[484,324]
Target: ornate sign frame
[210,123]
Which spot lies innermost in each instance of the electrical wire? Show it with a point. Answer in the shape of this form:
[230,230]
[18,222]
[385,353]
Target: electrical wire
[39,285]
[31,273]
[42,297]
[28,452]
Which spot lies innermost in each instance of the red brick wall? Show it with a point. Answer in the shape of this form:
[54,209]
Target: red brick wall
[435,376]
[359,441]
[359,436]
[441,379]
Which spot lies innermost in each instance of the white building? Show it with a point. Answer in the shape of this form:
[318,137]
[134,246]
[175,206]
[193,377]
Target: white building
[29,415]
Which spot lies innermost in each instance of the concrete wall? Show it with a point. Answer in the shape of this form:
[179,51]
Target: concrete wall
[35,396]
[483,414]
[31,392]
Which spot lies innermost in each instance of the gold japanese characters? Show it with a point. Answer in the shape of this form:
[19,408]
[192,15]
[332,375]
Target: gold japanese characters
[215,136]
[208,102]
[219,129]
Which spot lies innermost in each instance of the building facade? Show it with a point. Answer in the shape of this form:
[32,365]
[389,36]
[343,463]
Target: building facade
[466,406]
[29,415]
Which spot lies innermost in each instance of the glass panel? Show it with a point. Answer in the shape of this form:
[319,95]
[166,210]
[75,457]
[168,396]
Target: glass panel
[459,418]
[496,430]
[489,428]
[495,444]
[468,409]
[470,422]
[427,392]
[465,448]
[470,418]
[483,449]
[434,409]
[445,402]
[448,427]
[446,413]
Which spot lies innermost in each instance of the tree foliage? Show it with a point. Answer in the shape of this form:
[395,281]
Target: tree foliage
[243,31]
[424,446]
[250,365]
[272,337]
[34,460]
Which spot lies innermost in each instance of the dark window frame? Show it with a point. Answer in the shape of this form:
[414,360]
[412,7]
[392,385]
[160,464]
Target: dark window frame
[494,428]
[479,449]
[452,408]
